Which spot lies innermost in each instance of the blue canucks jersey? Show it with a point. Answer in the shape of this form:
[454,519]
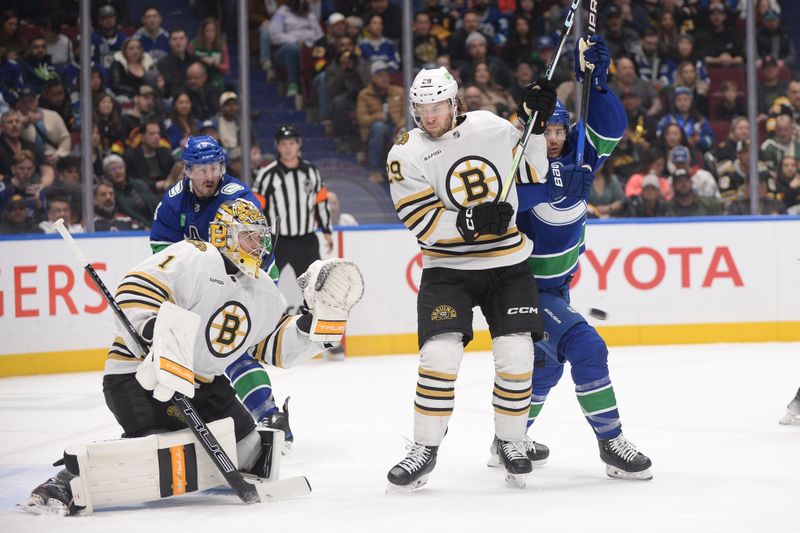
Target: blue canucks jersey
[558,229]
[181,214]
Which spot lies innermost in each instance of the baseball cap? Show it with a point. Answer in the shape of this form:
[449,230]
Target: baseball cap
[679,154]
[208,123]
[770,15]
[107,11]
[378,66]
[26,92]
[473,37]
[613,11]
[769,60]
[335,18]
[681,90]
[15,200]
[545,41]
[716,7]
[680,173]
[227,95]
[145,90]
[651,180]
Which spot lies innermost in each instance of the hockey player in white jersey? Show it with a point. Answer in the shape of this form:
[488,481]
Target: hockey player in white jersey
[445,178]
[239,310]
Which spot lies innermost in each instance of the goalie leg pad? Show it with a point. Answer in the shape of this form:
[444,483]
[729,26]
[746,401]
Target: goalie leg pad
[138,470]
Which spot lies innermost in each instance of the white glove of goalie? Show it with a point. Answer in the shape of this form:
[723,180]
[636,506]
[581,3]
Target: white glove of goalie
[169,367]
[331,288]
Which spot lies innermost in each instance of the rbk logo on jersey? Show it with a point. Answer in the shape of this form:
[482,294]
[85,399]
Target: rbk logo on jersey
[472,180]
[227,329]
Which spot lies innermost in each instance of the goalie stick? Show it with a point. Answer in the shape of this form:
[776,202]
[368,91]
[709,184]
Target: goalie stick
[251,490]
[523,141]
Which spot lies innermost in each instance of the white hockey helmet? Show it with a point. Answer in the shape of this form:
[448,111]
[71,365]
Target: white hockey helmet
[431,86]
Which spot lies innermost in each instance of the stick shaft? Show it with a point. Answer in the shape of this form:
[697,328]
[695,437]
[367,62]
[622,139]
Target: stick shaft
[586,89]
[246,491]
[523,141]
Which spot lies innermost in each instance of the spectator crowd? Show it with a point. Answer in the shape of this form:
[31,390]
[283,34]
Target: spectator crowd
[677,66]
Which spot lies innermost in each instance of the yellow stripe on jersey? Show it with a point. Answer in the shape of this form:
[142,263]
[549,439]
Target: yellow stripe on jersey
[511,232]
[139,305]
[132,288]
[277,343]
[261,347]
[431,225]
[157,283]
[497,253]
[413,219]
[412,198]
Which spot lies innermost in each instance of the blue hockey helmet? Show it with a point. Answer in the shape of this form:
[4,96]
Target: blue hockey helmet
[202,150]
[560,116]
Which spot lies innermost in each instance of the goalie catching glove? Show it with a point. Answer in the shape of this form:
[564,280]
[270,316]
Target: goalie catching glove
[331,288]
[169,367]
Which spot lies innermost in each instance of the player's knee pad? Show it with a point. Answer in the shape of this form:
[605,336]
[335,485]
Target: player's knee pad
[586,352]
[442,353]
[142,469]
[512,353]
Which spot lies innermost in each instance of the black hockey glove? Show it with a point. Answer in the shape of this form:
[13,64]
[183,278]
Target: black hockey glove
[570,181]
[538,96]
[488,218]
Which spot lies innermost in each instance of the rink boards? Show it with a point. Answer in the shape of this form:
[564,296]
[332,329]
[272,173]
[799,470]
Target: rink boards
[667,281]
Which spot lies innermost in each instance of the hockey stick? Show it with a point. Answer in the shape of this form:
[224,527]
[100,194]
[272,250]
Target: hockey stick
[587,87]
[523,141]
[246,491]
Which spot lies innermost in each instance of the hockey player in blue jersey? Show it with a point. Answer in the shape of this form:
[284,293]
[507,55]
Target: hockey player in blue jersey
[185,212]
[558,232]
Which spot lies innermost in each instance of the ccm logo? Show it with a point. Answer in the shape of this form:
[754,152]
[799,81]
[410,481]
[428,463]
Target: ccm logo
[523,311]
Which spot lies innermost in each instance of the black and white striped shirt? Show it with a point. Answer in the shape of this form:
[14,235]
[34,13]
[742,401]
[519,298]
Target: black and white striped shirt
[295,197]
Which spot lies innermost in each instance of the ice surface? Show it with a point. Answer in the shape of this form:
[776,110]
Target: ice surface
[706,415]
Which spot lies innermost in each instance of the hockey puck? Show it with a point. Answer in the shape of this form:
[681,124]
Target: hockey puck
[598,314]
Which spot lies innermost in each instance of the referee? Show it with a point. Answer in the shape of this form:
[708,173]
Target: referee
[296,202]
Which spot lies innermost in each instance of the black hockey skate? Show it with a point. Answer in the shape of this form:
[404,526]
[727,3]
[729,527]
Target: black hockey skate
[514,458]
[412,472]
[54,496]
[536,452]
[623,460]
[280,420]
[792,415]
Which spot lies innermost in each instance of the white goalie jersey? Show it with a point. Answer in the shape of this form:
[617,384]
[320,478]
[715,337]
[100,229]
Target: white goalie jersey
[238,314]
[432,179]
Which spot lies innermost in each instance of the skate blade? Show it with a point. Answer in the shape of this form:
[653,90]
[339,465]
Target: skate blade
[517,481]
[407,489]
[618,473]
[789,419]
[35,505]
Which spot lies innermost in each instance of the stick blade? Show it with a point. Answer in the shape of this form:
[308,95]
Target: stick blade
[271,491]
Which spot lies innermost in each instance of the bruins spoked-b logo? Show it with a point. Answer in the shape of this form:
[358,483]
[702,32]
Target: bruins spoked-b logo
[443,312]
[472,180]
[227,329]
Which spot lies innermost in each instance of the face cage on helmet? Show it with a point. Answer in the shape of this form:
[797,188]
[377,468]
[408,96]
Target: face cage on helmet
[217,168]
[453,112]
[229,237]
[240,232]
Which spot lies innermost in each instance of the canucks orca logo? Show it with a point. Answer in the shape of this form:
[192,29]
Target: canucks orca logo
[227,329]
[471,180]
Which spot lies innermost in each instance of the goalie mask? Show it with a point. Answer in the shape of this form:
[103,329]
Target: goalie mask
[241,233]
[432,86]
